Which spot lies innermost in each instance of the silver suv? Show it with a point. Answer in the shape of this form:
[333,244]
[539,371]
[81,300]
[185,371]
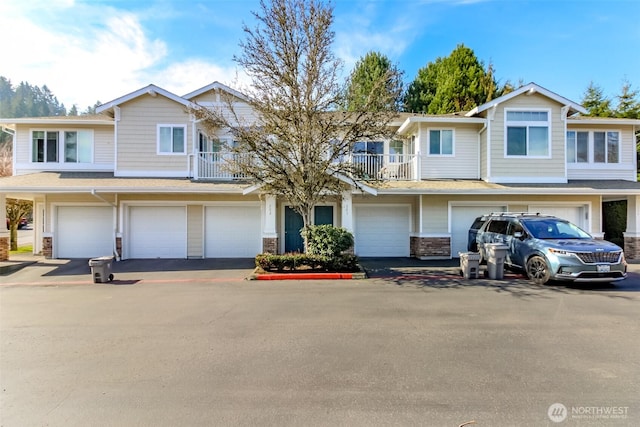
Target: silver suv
[550,248]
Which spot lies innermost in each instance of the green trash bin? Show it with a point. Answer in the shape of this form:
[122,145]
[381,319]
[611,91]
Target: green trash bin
[101,269]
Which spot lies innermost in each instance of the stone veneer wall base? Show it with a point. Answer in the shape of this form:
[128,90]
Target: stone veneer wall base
[270,245]
[632,247]
[47,247]
[430,247]
[4,248]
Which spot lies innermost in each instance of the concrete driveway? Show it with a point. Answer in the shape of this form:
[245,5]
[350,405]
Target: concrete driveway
[185,349]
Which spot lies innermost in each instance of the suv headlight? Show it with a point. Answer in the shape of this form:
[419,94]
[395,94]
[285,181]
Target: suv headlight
[559,252]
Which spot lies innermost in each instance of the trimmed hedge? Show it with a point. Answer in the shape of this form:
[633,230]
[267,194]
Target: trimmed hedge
[297,262]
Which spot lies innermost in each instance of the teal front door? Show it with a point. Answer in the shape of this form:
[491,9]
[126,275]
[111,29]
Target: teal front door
[293,223]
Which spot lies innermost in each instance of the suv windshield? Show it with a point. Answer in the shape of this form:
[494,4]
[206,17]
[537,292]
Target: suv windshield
[553,229]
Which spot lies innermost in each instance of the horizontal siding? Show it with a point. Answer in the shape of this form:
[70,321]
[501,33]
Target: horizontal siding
[138,133]
[625,170]
[483,155]
[503,167]
[103,139]
[103,145]
[463,164]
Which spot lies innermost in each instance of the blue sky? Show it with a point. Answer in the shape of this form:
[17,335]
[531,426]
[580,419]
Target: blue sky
[99,50]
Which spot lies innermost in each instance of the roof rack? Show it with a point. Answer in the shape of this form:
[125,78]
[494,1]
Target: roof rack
[519,214]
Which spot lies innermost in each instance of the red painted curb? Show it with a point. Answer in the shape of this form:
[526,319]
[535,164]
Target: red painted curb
[302,276]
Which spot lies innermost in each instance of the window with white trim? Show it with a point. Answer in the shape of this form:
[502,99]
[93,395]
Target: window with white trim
[44,146]
[577,147]
[172,139]
[78,146]
[527,133]
[593,147]
[606,147]
[441,142]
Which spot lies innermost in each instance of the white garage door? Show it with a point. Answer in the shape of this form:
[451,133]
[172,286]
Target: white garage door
[157,232]
[232,231]
[382,231]
[575,214]
[461,219]
[84,232]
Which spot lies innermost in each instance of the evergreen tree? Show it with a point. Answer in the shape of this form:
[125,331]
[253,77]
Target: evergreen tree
[595,102]
[457,82]
[628,102]
[374,82]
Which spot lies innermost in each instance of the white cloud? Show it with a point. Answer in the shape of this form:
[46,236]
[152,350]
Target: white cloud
[90,52]
[365,30]
[184,77]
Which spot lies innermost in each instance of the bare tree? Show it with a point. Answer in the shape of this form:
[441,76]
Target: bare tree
[298,140]
[6,159]
[17,209]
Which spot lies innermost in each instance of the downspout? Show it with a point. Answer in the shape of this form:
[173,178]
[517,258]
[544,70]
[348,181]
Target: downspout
[116,117]
[564,111]
[97,196]
[484,127]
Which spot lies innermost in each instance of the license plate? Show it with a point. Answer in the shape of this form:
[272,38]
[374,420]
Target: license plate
[604,268]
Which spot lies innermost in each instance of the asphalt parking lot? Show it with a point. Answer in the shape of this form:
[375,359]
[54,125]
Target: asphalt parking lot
[414,345]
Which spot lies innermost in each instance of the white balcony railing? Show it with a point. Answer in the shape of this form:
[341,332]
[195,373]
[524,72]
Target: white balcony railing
[218,165]
[386,167]
[382,167]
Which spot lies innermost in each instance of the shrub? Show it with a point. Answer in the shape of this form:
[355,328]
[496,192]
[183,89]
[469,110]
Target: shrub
[327,240]
[291,262]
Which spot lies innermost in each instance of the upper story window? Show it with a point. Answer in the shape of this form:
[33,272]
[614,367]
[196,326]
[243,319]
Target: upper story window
[172,139]
[396,151]
[527,133]
[44,146]
[369,147]
[593,146]
[76,146]
[441,142]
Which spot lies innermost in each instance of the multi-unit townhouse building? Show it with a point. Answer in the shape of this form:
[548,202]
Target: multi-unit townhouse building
[143,179]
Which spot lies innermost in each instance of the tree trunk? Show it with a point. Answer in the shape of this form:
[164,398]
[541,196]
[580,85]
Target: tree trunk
[14,236]
[306,222]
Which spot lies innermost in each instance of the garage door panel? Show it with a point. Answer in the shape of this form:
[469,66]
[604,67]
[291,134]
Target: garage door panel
[461,219]
[157,232]
[233,231]
[570,213]
[382,231]
[84,231]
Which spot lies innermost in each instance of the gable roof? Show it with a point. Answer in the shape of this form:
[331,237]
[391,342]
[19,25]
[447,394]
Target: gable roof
[152,90]
[530,88]
[215,86]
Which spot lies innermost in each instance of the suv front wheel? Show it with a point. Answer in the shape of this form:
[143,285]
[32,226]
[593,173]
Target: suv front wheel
[538,270]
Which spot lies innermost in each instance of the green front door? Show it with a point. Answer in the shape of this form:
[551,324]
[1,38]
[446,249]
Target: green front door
[293,223]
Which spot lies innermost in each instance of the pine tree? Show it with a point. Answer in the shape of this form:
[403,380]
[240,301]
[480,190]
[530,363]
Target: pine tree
[628,103]
[458,82]
[374,82]
[595,102]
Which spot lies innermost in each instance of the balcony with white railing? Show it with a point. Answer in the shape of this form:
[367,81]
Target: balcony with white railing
[386,167]
[218,166]
[369,167]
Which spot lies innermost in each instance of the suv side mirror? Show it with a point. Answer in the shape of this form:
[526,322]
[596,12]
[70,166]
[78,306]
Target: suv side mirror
[519,235]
